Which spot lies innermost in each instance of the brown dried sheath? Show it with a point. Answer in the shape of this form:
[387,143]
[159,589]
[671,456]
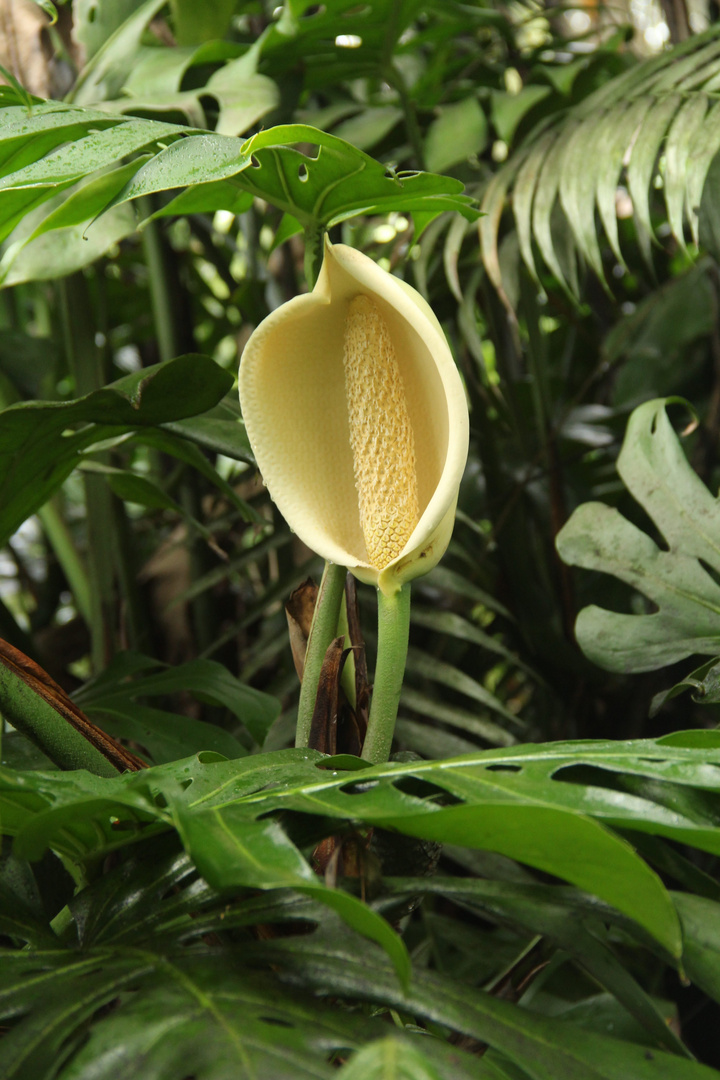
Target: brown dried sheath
[323,732]
[36,706]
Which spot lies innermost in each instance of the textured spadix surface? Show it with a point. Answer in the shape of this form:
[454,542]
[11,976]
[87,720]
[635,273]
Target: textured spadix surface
[296,404]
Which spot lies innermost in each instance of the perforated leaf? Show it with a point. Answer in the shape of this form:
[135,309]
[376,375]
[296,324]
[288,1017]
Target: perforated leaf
[322,183]
[513,801]
[653,466]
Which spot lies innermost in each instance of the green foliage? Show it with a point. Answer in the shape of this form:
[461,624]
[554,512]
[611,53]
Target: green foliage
[508,802]
[664,105]
[35,456]
[317,189]
[676,579]
[537,899]
[112,697]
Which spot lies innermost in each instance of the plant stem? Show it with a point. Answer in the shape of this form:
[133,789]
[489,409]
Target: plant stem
[161,294]
[73,566]
[347,679]
[393,633]
[39,721]
[314,252]
[62,922]
[322,631]
[86,363]
[412,128]
[174,333]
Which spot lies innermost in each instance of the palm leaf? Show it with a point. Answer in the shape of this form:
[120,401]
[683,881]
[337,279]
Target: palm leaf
[654,125]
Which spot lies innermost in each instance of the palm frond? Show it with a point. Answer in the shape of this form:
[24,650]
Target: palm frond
[656,125]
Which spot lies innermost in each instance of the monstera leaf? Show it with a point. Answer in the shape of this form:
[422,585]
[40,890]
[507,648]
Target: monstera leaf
[156,958]
[235,818]
[86,165]
[680,579]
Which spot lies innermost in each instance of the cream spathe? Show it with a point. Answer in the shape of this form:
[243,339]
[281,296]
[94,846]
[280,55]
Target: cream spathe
[295,402]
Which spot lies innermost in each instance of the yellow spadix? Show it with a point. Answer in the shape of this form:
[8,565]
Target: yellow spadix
[358,420]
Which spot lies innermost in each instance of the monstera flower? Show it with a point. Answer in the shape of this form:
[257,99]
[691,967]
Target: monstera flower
[358,420]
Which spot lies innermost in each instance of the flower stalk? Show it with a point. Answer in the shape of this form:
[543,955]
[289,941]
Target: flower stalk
[322,632]
[393,634]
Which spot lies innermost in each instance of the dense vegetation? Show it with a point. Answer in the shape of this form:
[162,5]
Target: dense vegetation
[530,888]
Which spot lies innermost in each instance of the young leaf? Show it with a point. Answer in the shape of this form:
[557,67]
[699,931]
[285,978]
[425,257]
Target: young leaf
[390,1059]
[322,185]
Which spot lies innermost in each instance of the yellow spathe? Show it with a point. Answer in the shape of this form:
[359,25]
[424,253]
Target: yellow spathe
[295,402]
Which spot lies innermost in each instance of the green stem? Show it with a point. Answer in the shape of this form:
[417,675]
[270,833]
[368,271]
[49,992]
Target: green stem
[347,679]
[35,718]
[86,364]
[412,128]
[314,252]
[174,333]
[161,294]
[62,922]
[393,633]
[60,541]
[322,632]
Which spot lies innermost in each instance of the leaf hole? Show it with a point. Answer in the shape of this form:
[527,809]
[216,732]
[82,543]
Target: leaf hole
[254,163]
[302,172]
[503,768]
[348,41]
[359,9]
[312,10]
[92,14]
[276,1021]
[358,788]
[423,789]
[588,776]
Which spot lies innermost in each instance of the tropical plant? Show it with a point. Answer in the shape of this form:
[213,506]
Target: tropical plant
[529,888]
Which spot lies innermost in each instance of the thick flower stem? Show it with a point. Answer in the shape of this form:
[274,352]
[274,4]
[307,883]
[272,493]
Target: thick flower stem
[322,632]
[393,632]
